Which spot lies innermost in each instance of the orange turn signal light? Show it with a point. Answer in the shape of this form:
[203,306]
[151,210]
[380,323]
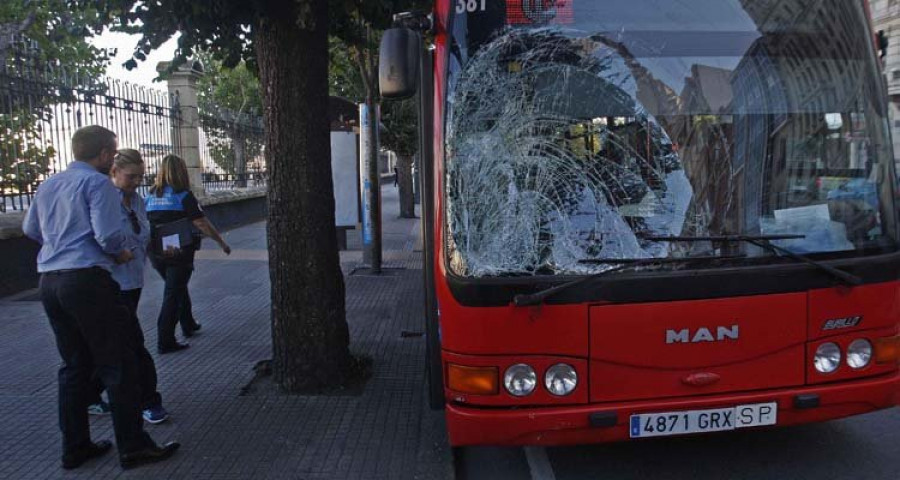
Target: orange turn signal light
[473,380]
[887,350]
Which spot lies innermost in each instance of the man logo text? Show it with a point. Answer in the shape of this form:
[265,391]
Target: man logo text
[702,335]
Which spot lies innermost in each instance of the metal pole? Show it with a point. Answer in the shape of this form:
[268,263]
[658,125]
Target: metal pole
[427,189]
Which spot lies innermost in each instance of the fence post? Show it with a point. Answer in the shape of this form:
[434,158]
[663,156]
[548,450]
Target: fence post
[182,84]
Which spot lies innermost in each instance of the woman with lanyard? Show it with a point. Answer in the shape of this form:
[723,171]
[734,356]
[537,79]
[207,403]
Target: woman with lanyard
[127,175]
[170,203]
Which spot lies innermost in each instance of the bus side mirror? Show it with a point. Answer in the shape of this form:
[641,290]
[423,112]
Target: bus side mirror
[398,63]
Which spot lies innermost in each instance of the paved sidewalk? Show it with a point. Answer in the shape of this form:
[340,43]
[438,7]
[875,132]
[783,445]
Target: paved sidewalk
[387,432]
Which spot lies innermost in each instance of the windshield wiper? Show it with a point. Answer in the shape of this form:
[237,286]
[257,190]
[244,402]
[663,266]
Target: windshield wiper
[525,300]
[765,242]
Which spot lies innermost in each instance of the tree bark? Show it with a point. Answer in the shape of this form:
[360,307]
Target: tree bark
[310,338]
[405,185]
[374,177]
[240,158]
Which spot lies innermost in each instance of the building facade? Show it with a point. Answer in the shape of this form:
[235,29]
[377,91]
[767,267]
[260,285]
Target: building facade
[886,18]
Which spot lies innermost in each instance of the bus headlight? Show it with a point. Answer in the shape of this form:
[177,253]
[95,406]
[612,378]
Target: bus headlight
[859,353]
[828,357]
[561,379]
[519,380]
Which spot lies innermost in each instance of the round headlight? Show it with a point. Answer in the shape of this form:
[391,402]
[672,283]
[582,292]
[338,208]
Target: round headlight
[828,357]
[560,379]
[519,380]
[859,353]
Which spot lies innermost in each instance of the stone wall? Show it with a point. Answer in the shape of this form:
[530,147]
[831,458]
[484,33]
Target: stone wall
[18,272]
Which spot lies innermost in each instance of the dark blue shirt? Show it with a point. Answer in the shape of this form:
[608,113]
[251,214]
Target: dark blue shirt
[169,205]
[76,216]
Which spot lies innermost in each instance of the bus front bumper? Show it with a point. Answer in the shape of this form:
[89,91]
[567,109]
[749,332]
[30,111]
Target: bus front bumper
[567,425]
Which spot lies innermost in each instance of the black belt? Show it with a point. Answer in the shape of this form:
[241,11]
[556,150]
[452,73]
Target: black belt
[72,270]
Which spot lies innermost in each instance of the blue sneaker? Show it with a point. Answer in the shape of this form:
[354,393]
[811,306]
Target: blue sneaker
[156,414]
[101,408]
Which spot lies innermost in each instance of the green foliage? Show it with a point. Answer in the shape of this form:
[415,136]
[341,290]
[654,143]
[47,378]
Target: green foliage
[356,31]
[220,27]
[350,18]
[236,89]
[400,132]
[344,77]
[47,43]
[225,31]
[225,28]
[24,157]
[59,34]
[230,105]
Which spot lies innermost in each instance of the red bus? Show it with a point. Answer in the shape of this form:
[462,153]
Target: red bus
[647,218]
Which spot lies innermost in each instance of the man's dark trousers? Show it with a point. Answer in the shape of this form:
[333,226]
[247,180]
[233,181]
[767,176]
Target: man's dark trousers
[150,397]
[90,323]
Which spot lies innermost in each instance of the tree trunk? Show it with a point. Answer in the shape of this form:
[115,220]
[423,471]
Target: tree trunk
[240,158]
[405,185]
[367,68]
[374,177]
[310,338]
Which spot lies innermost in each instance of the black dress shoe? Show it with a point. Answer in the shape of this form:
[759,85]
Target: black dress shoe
[151,454]
[92,450]
[172,348]
[190,331]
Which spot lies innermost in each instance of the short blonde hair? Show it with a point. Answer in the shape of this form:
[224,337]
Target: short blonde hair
[173,173]
[126,157]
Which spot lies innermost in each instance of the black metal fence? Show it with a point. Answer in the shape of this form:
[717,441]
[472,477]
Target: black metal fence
[41,106]
[232,149]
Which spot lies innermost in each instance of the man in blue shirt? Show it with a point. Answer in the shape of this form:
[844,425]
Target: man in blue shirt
[76,216]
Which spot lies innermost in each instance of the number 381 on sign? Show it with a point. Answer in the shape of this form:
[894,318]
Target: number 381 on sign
[463,6]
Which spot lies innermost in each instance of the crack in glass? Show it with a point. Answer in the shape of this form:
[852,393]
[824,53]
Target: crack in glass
[538,181]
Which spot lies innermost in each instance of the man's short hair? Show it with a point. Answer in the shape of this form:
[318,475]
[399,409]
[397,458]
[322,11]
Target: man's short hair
[88,142]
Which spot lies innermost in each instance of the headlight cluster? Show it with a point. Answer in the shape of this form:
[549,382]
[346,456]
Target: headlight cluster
[520,379]
[859,353]
[828,355]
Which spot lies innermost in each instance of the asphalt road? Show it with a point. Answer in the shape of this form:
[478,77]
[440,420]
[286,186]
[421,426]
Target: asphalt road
[865,447]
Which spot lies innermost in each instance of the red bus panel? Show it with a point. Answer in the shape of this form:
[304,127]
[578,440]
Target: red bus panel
[658,350]
[836,311]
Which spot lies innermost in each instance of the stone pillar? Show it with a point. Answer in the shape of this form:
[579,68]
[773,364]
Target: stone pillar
[182,85]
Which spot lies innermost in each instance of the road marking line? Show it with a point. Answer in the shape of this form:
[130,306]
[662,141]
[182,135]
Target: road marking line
[539,464]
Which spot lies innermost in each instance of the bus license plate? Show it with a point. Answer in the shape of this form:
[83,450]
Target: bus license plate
[697,421]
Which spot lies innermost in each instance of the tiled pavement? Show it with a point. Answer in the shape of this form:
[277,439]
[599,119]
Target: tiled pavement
[387,432]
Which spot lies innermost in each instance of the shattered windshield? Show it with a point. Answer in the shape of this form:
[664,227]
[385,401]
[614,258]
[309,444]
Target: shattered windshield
[578,130]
